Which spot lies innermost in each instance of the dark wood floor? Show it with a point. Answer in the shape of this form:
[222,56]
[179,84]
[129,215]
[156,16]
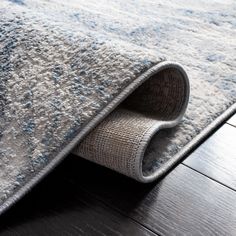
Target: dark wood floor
[198,197]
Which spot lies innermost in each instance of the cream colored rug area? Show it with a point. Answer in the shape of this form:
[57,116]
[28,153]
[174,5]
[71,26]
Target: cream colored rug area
[131,85]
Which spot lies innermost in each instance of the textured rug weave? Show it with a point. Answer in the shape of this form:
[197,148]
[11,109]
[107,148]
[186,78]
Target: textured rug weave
[104,79]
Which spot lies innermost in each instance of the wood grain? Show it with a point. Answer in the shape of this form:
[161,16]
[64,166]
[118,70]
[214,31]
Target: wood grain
[56,207]
[184,202]
[232,120]
[82,198]
[216,157]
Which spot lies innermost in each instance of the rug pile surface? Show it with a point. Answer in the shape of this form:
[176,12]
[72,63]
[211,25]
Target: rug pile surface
[104,79]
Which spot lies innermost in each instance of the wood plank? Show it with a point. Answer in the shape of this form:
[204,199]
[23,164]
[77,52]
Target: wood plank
[216,157]
[56,207]
[184,202]
[232,120]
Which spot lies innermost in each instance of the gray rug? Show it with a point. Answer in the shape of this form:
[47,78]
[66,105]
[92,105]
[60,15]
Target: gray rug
[98,78]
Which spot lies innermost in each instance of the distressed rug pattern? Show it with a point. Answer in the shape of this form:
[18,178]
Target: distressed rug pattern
[65,67]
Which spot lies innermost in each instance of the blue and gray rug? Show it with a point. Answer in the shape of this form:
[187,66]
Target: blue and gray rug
[100,78]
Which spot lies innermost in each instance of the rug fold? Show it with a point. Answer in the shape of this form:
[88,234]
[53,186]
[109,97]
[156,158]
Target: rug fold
[120,141]
[95,79]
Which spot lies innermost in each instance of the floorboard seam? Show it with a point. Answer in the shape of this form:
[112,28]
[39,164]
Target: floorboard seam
[98,199]
[217,181]
[234,126]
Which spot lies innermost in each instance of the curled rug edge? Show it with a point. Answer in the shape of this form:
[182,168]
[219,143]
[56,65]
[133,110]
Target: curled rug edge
[91,125]
[121,142]
[181,35]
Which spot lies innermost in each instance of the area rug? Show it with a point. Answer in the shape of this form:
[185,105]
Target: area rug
[105,79]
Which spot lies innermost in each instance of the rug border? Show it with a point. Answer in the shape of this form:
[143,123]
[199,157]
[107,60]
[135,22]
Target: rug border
[100,116]
[190,147]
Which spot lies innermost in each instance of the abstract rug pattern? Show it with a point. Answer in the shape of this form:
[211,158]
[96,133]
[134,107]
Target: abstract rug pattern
[65,67]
